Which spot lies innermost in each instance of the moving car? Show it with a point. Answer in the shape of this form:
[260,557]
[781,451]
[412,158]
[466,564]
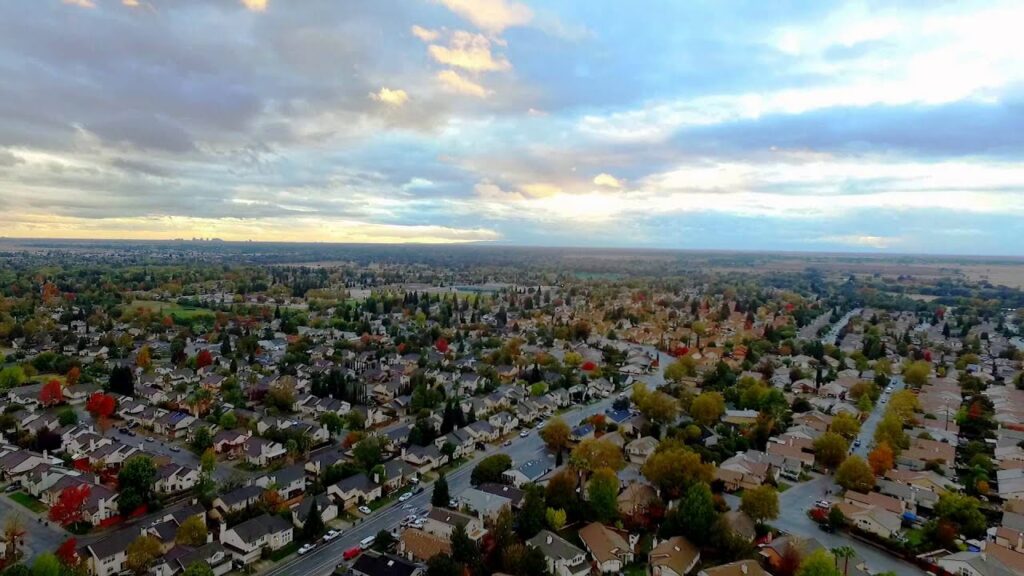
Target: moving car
[405,497]
[331,535]
[306,548]
[524,433]
[856,443]
[352,552]
[365,510]
[406,506]
[175,448]
[367,542]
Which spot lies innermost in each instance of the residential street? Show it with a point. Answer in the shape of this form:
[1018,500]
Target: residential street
[325,557]
[40,535]
[797,500]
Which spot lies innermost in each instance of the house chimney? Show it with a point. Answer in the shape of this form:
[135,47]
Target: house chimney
[223,529]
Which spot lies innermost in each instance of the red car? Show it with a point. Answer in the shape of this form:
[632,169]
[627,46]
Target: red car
[352,552]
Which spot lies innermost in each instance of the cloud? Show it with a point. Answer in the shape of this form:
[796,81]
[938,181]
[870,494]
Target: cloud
[80,3]
[470,52]
[878,242]
[130,3]
[604,179]
[391,97]
[453,82]
[425,34]
[255,5]
[492,16]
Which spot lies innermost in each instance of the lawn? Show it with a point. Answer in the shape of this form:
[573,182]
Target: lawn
[172,309]
[783,487]
[28,502]
[284,551]
[451,466]
[636,570]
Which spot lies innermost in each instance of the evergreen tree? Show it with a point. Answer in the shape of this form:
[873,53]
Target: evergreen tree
[314,526]
[440,497]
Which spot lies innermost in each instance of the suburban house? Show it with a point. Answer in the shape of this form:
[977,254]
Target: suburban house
[441,522]
[247,540]
[290,481]
[673,557]
[107,557]
[525,473]
[741,568]
[325,505]
[611,549]
[238,499]
[261,452]
[173,478]
[562,557]
[639,450]
[636,498]
[375,564]
[354,491]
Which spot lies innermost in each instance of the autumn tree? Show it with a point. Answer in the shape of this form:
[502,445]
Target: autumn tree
[707,408]
[903,404]
[593,454]
[191,532]
[659,408]
[890,431]
[556,435]
[70,505]
[845,425]
[830,449]
[673,468]
[881,459]
[144,358]
[203,359]
[556,518]
[683,367]
[51,393]
[67,553]
[74,373]
[855,474]
[916,373]
[761,503]
[101,406]
[142,552]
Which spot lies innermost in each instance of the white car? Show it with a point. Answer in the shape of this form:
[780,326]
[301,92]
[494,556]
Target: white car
[524,433]
[419,523]
[306,548]
[365,510]
[331,535]
[406,506]
[824,504]
[405,497]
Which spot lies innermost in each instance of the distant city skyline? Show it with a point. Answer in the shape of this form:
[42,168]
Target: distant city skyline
[894,127]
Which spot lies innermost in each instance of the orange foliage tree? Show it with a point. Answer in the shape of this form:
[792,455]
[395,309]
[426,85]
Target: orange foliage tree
[881,459]
[73,375]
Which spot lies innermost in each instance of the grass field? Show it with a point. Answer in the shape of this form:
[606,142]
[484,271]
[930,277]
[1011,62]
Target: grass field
[28,502]
[172,309]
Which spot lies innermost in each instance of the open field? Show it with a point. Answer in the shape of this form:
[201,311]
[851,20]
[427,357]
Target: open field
[172,309]
[997,274]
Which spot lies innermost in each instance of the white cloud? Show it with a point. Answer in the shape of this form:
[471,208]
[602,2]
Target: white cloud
[425,34]
[879,242]
[493,16]
[453,82]
[391,97]
[81,3]
[130,3]
[255,5]
[604,179]
[470,52]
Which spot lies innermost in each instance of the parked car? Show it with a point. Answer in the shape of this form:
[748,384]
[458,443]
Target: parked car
[856,443]
[405,497]
[453,503]
[306,548]
[418,490]
[824,504]
[365,510]
[331,535]
[175,448]
[507,443]
[352,552]
[524,433]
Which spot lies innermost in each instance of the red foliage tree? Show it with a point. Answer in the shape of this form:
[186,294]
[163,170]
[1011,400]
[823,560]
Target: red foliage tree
[73,375]
[204,359]
[51,393]
[67,553]
[442,345]
[70,504]
[100,405]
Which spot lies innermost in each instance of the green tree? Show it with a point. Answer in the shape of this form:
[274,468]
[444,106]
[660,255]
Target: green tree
[67,417]
[208,461]
[11,377]
[444,565]
[830,449]
[367,452]
[556,518]
[201,440]
[890,431]
[135,482]
[673,468]
[490,469]
[464,550]
[698,511]
[334,423]
[142,552]
[855,474]
[46,564]
[845,425]
[532,515]
[603,491]
[228,421]
[314,527]
[844,553]
[963,511]
[707,408]
[440,497]
[659,408]
[683,367]
[916,373]
[595,453]
[818,563]
[191,532]
[198,568]
[761,503]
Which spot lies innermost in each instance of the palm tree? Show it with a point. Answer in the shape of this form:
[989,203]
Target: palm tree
[844,552]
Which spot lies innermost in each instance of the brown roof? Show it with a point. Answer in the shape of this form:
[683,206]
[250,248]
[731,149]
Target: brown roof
[1010,558]
[423,546]
[875,499]
[603,542]
[676,553]
[741,568]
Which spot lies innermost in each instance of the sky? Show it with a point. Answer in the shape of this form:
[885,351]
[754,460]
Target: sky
[855,126]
